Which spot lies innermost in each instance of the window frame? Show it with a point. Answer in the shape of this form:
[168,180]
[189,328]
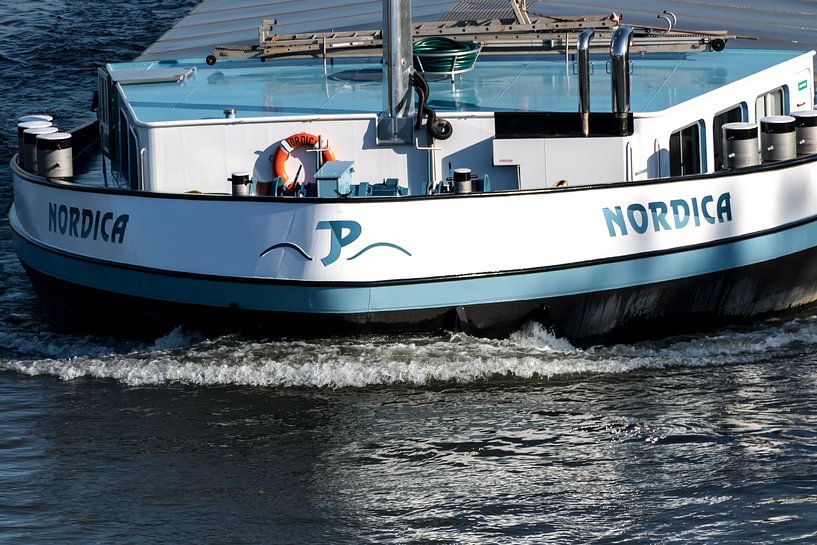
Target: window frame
[767,99]
[122,130]
[133,159]
[700,127]
[717,131]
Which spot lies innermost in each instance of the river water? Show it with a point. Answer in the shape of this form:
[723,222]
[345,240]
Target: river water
[421,439]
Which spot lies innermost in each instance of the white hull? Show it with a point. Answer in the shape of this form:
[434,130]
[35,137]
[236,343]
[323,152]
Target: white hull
[414,260]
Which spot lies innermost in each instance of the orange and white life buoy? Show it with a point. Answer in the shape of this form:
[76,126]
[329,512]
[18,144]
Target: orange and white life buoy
[285,149]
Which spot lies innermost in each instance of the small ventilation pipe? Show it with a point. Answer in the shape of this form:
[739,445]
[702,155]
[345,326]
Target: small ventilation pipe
[584,78]
[620,68]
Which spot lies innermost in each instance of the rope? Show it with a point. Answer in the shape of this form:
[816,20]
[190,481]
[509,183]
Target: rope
[437,128]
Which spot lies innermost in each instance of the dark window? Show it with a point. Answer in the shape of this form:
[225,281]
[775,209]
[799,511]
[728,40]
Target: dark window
[133,161]
[102,113]
[729,116]
[124,167]
[685,151]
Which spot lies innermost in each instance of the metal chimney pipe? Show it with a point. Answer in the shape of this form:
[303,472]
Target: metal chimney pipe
[584,78]
[620,68]
[395,125]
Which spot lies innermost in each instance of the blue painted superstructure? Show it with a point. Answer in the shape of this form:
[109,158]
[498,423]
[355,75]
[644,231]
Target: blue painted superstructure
[300,87]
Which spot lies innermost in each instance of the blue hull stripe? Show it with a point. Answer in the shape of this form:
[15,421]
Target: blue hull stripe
[335,299]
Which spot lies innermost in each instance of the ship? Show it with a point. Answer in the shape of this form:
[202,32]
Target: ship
[610,181]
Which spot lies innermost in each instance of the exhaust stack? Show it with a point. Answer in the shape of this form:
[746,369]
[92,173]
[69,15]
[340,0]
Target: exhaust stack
[620,67]
[584,78]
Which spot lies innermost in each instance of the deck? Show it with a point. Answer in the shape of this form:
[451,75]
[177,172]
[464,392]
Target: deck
[286,88]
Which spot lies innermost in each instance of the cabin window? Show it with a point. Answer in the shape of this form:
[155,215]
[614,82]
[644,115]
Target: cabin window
[103,102]
[124,164]
[104,114]
[685,151]
[771,103]
[731,115]
[133,161]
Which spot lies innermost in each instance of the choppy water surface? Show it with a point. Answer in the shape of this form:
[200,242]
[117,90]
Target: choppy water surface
[422,439]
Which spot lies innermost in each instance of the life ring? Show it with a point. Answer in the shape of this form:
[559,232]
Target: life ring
[287,146]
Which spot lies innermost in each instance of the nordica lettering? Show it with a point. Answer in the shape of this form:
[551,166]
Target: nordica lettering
[676,214]
[85,223]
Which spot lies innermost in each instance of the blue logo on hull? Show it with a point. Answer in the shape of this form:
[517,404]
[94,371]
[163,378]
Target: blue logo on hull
[342,233]
[339,238]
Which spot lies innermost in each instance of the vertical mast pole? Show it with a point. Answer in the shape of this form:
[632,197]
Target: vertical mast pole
[395,125]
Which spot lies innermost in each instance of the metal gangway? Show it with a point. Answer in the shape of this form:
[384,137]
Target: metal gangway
[518,35]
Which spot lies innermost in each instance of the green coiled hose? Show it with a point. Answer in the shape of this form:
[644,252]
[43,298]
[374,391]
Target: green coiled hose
[441,55]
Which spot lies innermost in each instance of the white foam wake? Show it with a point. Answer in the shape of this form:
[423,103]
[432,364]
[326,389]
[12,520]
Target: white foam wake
[530,353]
